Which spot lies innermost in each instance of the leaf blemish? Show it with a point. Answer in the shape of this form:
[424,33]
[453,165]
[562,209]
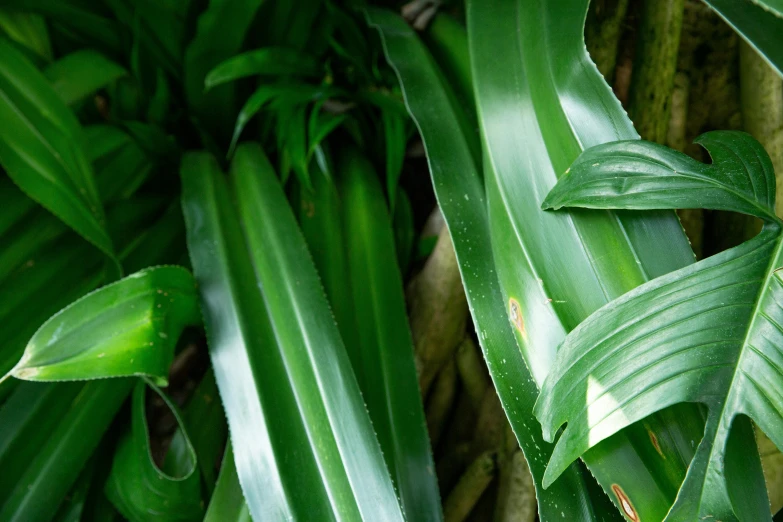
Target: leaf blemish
[655,443]
[625,503]
[515,312]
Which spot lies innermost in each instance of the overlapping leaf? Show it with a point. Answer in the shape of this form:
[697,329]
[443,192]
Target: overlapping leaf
[303,442]
[707,333]
[42,149]
[461,197]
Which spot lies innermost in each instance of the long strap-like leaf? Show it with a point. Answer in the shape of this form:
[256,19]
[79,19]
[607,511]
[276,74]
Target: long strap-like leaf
[460,192]
[303,443]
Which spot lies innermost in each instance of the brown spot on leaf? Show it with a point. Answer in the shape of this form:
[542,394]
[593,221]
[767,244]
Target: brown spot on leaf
[625,503]
[655,443]
[515,312]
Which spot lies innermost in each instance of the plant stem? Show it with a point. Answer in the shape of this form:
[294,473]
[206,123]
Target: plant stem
[602,33]
[470,487]
[438,310]
[441,399]
[472,372]
[655,65]
[761,97]
[517,495]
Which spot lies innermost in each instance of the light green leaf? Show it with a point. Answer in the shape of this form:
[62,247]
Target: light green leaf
[126,328]
[79,74]
[227,503]
[281,367]
[42,149]
[708,333]
[269,61]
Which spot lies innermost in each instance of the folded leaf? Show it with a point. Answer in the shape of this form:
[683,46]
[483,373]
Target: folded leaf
[126,328]
[137,487]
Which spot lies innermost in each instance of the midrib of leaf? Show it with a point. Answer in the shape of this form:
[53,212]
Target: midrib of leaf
[728,406]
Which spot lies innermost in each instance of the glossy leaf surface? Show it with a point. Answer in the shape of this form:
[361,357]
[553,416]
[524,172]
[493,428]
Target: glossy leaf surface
[460,192]
[708,333]
[383,360]
[126,328]
[303,442]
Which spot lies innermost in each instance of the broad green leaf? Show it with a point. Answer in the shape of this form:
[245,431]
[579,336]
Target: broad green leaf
[227,503]
[383,361]
[268,61]
[137,487]
[72,428]
[539,105]
[759,22]
[126,328]
[707,333]
[79,74]
[460,192]
[642,176]
[303,442]
[220,33]
[42,149]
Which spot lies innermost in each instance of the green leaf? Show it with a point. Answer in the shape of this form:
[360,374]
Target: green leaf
[539,106]
[617,175]
[126,328]
[288,94]
[396,141]
[383,360]
[404,231]
[220,33]
[42,149]
[227,503]
[461,197]
[708,333]
[137,487]
[79,74]
[303,442]
[28,30]
[78,19]
[47,476]
[759,22]
[269,61]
